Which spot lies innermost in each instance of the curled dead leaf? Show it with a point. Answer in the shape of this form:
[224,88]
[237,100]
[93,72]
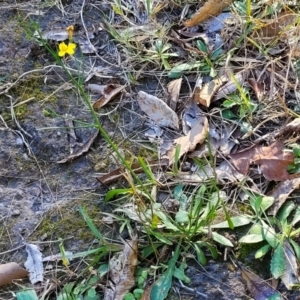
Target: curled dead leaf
[205,94]
[10,272]
[110,92]
[189,142]
[121,270]
[174,89]
[209,9]
[281,192]
[274,28]
[272,159]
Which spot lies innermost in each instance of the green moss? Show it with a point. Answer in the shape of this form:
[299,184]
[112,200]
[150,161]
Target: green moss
[66,221]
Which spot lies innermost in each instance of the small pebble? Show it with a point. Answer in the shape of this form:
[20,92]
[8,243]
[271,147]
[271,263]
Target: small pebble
[19,141]
[15,213]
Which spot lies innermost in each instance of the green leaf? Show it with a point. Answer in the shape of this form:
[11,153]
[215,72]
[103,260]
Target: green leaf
[296,248]
[112,193]
[262,251]
[266,202]
[180,196]
[160,237]
[213,250]
[179,70]
[251,238]
[237,221]
[138,293]
[269,235]
[200,255]
[91,225]
[129,296]
[103,270]
[216,54]
[179,274]
[229,115]
[201,46]
[277,262]
[285,211]
[146,169]
[257,204]
[296,151]
[182,216]
[296,218]
[27,295]
[229,103]
[162,285]
[221,239]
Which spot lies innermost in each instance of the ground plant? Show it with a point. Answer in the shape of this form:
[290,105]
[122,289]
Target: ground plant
[159,140]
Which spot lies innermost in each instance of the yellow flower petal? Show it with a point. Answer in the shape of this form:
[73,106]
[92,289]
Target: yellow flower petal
[66,49]
[71,48]
[62,46]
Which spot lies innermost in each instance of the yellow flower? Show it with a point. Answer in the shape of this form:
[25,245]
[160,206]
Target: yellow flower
[66,49]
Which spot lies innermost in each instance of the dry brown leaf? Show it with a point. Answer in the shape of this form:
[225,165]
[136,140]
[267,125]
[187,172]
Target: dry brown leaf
[274,28]
[272,159]
[121,270]
[174,90]
[205,95]
[109,93]
[257,87]
[189,142]
[157,110]
[281,192]
[10,272]
[209,9]
[258,287]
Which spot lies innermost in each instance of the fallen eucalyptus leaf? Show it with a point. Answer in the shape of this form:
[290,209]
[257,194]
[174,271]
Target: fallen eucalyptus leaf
[157,110]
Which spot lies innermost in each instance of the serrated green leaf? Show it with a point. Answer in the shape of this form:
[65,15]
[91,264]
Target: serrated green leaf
[277,262]
[262,251]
